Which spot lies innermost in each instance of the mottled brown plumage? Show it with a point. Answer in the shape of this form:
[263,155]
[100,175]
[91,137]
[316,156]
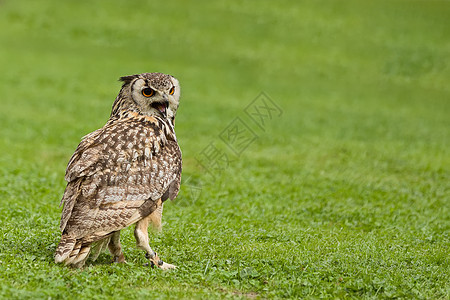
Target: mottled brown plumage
[122,173]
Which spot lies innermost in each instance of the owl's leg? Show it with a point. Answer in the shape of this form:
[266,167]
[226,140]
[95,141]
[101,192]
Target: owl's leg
[155,218]
[142,242]
[116,248]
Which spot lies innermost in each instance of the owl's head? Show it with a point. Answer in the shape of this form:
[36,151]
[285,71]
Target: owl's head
[151,94]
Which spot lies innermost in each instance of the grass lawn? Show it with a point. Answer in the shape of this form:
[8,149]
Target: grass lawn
[339,188]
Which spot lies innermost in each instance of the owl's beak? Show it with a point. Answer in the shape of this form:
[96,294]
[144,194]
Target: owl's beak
[161,107]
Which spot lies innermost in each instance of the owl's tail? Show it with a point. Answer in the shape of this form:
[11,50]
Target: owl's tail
[72,251]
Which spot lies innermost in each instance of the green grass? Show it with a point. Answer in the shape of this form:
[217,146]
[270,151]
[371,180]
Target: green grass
[345,195]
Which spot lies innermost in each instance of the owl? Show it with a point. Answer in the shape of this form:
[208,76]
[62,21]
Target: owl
[122,173]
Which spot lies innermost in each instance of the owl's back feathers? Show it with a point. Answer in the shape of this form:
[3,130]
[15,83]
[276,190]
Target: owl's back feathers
[115,178]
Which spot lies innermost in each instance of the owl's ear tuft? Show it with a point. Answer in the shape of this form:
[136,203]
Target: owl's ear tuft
[128,79]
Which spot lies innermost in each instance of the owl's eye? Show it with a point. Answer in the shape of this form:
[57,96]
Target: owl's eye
[148,92]
[172,90]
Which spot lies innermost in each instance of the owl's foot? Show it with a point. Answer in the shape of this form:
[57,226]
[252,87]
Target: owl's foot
[166,266]
[118,259]
[155,261]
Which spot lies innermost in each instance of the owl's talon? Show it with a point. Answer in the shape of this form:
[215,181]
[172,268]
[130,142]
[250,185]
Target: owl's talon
[151,256]
[156,261]
[119,259]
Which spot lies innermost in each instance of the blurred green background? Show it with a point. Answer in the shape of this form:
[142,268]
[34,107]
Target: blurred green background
[346,194]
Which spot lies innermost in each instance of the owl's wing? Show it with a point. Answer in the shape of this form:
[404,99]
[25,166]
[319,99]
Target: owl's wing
[115,171]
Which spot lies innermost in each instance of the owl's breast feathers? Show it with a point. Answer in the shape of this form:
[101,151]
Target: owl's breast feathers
[123,167]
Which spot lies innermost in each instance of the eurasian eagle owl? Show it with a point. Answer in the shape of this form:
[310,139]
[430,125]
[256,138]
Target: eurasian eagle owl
[122,173]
